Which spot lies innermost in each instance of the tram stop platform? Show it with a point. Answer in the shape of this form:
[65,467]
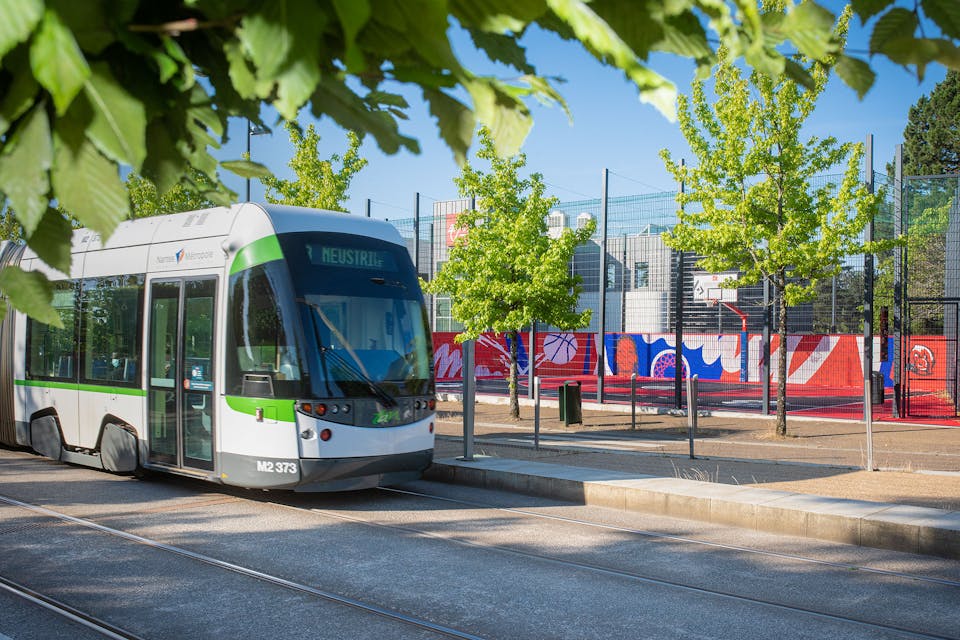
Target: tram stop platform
[811,483]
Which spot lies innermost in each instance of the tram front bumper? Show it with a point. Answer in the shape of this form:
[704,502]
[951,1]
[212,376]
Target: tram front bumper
[324,474]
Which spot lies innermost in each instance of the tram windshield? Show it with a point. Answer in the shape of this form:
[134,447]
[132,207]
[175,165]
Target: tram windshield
[364,323]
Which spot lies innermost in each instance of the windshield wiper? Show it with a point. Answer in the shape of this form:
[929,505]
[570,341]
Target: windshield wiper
[359,373]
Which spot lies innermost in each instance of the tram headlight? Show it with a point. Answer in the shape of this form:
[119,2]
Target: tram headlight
[432,404]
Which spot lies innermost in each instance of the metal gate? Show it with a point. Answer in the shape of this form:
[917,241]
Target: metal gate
[930,385]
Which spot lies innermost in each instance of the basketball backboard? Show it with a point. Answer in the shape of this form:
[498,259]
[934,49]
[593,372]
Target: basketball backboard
[707,287]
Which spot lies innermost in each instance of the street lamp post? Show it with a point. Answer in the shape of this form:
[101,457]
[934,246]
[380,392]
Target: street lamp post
[253,130]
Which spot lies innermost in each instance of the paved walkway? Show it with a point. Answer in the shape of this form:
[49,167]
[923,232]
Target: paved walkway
[820,462]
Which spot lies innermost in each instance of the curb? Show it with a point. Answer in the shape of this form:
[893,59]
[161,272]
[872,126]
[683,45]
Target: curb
[904,528]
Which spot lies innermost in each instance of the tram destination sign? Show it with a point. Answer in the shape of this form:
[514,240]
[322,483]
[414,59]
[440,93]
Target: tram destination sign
[350,257]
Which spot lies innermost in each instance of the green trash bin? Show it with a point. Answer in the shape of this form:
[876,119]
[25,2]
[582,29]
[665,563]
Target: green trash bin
[571,409]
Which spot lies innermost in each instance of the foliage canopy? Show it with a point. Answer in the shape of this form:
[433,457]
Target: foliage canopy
[92,89]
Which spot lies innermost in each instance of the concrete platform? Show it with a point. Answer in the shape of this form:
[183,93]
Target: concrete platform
[907,528]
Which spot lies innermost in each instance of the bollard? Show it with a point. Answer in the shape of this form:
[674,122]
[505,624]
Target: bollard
[633,401]
[536,413]
[691,411]
[571,408]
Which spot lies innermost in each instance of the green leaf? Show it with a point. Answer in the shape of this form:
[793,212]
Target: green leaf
[86,183]
[51,240]
[504,49]
[87,22]
[866,9]
[294,87]
[657,91]
[353,15]
[266,36]
[164,164]
[857,74]
[3,309]
[632,22]
[505,115]
[246,168]
[118,127]
[31,293]
[684,36]
[18,98]
[241,75]
[946,13]
[455,121]
[810,27]
[799,74]
[894,24]
[57,62]
[24,166]
[18,19]
[497,16]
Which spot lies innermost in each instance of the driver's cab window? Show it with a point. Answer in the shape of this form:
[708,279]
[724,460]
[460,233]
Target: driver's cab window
[262,358]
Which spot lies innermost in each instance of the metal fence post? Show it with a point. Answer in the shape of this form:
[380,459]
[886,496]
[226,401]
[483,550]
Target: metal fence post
[601,343]
[469,397]
[678,329]
[532,360]
[536,413]
[633,400]
[898,229]
[868,313]
[416,232]
[692,409]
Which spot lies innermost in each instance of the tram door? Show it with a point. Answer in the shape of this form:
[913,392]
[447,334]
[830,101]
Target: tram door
[181,365]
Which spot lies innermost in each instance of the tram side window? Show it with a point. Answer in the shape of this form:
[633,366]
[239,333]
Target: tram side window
[112,310]
[262,359]
[52,351]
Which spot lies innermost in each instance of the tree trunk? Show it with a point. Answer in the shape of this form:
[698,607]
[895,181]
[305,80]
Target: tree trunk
[514,375]
[782,360]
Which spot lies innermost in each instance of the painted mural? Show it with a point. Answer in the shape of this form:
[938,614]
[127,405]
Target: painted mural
[826,361]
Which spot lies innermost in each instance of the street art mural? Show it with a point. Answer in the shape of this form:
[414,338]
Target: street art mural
[815,360]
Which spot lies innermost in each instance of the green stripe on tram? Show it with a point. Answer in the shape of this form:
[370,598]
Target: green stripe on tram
[73,386]
[280,410]
[263,250]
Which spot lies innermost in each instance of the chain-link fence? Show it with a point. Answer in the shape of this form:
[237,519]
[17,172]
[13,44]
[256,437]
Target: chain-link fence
[928,281]
[728,343]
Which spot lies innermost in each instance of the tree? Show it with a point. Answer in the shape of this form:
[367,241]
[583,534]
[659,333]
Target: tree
[93,89]
[317,185]
[760,216]
[931,139]
[146,200]
[10,228]
[506,272]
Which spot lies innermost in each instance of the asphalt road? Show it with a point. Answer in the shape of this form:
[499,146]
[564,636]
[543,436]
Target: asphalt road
[174,558]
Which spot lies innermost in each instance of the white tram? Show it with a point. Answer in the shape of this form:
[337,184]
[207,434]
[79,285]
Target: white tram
[259,346]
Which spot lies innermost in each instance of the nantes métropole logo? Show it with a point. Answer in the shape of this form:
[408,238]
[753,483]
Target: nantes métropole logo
[179,255]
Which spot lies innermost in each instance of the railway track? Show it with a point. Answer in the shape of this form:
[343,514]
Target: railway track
[865,624]
[93,622]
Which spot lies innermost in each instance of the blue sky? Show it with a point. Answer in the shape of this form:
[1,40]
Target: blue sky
[611,129]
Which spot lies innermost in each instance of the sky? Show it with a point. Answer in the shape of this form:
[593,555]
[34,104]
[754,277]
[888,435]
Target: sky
[610,129]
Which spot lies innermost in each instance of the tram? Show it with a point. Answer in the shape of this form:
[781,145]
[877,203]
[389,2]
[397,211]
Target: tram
[260,346]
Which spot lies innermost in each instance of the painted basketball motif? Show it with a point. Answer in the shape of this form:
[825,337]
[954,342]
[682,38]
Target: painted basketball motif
[665,366]
[560,348]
